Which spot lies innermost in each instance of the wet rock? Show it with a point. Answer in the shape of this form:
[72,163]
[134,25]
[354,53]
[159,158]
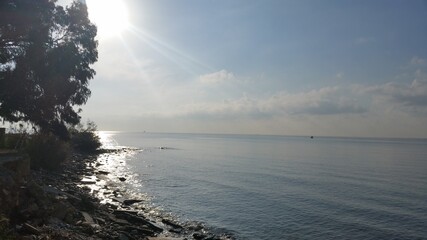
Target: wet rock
[199,236]
[117,220]
[165,238]
[117,212]
[196,228]
[112,206]
[116,199]
[128,216]
[212,238]
[141,230]
[88,181]
[175,230]
[139,220]
[171,223]
[103,172]
[129,202]
[67,210]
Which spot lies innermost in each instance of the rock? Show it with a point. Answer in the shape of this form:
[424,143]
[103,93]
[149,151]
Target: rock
[164,238]
[212,238]
[5,192]
[141,230]
[87,217]
[63,210]
[112,206]
[70,218]
[118,221]
[2,137]
[125,211]
[99,220]
[139,220]
[129,202]
[196,228]
[30,237]
[122,179]
[199,236]
[103,172]
[91,228]
[87,228]
[116,199]
[170,223]
[87,203]
[33,208]
[123,237]
[87,181]
[176,230]
[30,229]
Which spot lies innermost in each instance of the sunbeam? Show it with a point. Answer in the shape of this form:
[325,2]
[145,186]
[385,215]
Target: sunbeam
[143,76]
[184,61]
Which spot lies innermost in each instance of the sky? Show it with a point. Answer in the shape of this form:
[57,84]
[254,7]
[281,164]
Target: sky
[288,67]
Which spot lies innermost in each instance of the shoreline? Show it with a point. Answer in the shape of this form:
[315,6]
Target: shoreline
[84,200]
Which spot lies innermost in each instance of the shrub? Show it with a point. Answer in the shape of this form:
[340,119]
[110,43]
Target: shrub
[85,139]
[12,140]
[47,151]
[5,232]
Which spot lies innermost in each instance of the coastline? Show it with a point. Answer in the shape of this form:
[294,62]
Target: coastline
[87,199]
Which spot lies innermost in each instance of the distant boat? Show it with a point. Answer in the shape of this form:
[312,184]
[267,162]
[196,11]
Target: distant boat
[311,137]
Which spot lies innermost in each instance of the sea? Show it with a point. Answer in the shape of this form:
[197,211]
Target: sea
[282,187]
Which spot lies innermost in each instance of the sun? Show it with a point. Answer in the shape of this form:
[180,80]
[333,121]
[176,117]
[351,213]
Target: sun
[110,16]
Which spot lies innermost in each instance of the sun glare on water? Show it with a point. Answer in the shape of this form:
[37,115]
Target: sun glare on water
[110,16]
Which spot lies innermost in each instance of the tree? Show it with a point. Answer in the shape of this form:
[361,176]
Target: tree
[46,53]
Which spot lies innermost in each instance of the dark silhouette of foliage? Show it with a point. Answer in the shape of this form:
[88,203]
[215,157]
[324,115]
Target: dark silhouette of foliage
[85,139]
[46,151]
[46,53]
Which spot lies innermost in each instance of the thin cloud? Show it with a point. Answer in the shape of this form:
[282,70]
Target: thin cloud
[324,101]
[412,95]
[417,61]
[217,77]
[363,40]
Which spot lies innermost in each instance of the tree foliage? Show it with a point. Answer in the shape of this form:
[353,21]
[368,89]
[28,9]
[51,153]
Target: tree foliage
[46,52]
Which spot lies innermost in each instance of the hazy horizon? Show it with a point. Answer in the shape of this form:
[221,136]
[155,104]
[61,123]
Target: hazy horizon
[260,135]
[330,68]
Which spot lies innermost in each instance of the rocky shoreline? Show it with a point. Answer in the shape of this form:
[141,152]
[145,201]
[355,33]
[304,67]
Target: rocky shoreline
[84,201]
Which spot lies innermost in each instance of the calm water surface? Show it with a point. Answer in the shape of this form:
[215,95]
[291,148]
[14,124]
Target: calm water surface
[274,187]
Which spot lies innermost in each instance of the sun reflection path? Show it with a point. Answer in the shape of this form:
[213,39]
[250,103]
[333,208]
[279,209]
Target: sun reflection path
[113,181]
